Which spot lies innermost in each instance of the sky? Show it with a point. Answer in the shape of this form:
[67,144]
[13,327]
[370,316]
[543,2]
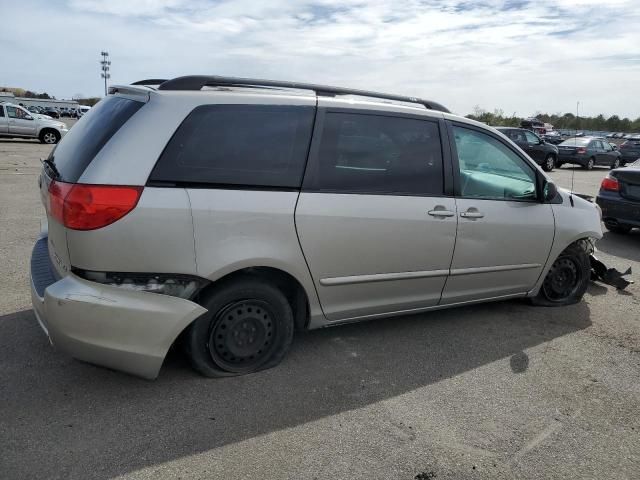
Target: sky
[516,55]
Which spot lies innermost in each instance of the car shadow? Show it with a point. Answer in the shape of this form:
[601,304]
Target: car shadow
[621,245]
[67,417]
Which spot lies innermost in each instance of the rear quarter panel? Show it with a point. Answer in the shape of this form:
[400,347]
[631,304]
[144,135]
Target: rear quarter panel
[236,229]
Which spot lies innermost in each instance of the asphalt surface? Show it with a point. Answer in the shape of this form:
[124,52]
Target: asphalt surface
[495,391]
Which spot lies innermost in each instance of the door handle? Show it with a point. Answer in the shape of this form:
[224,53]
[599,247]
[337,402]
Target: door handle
[441,213]
[472,214]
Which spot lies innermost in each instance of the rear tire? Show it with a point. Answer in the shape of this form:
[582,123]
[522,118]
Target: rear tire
[590,163]
[248,327]
[568,278]
[549,163]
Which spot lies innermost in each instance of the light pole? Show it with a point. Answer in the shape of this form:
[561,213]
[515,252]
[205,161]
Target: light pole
[105,65]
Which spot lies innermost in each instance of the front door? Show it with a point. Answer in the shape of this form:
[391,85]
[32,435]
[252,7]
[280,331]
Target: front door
[535,147]
[20,121]
[374,223]
[504,233]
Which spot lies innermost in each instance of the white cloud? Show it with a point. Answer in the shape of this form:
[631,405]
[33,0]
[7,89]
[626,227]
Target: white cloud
[511,54]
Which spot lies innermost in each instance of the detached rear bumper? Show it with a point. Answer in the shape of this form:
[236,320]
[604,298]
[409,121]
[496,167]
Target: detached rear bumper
[120,329]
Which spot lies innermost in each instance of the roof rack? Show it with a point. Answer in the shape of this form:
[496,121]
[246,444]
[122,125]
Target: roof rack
[196,82]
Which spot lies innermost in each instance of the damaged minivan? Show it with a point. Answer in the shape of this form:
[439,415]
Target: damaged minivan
[225,213]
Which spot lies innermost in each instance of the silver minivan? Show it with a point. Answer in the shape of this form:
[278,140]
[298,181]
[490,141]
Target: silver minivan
[223,214]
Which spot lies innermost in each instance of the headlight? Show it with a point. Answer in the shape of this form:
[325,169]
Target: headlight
[175,285]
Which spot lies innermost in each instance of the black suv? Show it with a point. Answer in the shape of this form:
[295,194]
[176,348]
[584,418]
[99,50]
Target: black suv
[543,153]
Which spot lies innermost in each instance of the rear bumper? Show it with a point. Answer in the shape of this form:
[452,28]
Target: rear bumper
[628,157]
[617,210]
[120,329]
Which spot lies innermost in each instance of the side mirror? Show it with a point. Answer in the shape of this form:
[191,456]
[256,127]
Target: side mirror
[28,117]
[549,191]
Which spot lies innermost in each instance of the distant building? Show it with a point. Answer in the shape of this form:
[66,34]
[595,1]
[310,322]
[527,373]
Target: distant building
[41,102]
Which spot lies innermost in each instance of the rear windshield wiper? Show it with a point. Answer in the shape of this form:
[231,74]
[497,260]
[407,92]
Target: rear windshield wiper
[52,166]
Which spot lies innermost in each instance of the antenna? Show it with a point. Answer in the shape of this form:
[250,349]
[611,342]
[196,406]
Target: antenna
[575,144]
[105,66]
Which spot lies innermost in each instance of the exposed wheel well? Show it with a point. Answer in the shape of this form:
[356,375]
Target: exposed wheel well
[288,284]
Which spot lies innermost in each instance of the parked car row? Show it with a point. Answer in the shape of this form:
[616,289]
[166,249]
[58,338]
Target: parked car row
[57,112]
[623,135]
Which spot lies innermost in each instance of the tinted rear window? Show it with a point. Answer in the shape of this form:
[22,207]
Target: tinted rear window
[377,154]
[248,145]
[83,142]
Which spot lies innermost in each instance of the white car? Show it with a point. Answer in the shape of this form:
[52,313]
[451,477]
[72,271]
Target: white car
[18,122]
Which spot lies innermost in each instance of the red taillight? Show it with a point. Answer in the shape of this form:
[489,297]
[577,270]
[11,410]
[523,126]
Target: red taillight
[581,150]
[88,207]
[611,184]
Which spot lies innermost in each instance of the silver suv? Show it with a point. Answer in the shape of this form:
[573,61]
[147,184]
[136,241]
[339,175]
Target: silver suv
[18,122]
[224,213]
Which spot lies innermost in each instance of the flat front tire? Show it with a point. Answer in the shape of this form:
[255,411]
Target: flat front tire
[248,327]
[568,278]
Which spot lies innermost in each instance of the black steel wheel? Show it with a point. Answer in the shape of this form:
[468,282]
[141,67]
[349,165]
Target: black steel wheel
[568,278]
[242,335]
[563,279]
[248,327]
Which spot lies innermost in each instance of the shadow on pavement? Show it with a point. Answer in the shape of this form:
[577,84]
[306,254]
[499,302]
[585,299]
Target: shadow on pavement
[621,245]
[65,419]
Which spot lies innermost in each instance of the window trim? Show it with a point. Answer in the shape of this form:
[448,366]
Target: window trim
[456,165]
[314,152]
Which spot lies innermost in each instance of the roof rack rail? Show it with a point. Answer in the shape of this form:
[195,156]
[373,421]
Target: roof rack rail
[151,81]
[196,82]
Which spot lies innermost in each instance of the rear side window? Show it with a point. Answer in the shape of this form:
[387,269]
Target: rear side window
[377,154]
[248,145]
[83,142]
[1,111]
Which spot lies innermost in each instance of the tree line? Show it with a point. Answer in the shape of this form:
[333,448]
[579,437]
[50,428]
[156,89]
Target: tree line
[567,121]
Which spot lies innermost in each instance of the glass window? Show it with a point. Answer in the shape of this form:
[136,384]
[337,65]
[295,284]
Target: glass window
[362,153]
[1,111]
[490,170]
[532,139]
[83,142]
[12,112]
[256,145]
[517,136]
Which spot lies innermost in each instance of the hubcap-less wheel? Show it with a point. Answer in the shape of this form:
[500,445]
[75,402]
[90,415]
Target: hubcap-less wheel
[242,336]
[49,138]
[563,280]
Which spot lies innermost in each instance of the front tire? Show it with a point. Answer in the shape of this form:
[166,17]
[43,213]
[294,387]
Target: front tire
[248,327]
[615,164]
[549,163]
[50,137]
[568,278]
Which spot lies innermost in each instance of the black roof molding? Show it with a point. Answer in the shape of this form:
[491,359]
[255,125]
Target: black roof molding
[197,82]
[150,81]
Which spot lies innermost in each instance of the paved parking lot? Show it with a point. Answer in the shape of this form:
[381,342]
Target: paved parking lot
[495,391]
